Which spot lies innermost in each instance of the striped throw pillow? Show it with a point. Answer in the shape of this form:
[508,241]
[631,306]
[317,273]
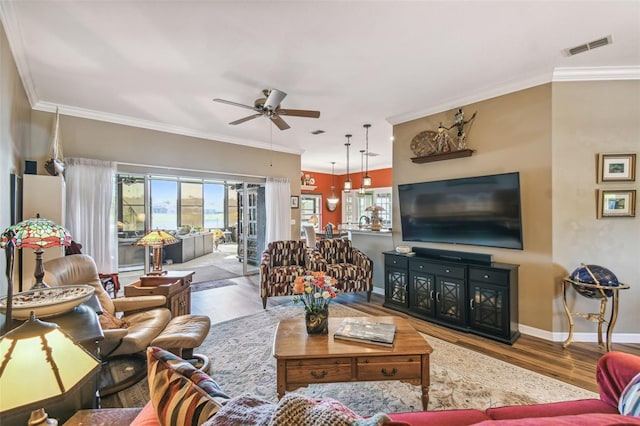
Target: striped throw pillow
[180,393]
[629,403]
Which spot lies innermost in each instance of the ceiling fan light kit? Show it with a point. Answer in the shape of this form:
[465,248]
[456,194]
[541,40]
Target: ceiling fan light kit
[269,106]
[347,183]
[366,180]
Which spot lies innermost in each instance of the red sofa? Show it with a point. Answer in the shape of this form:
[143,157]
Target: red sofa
[614,371]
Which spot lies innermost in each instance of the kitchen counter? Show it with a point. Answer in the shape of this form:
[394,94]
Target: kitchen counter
[373,243]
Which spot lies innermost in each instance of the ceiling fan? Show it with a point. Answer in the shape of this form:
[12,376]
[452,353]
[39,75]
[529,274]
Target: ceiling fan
[269,106]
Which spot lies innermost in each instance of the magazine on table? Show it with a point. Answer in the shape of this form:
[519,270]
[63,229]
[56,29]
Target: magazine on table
[366,331]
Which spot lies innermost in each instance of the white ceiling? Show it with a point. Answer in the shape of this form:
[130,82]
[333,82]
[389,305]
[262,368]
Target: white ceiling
[159,64]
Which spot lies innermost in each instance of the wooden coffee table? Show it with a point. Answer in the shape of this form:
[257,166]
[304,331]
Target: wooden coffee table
[304,359]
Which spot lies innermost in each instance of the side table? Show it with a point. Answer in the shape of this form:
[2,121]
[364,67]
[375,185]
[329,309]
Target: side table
[174,285]
[595,317]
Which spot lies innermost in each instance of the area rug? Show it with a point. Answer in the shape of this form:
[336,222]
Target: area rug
[241,363]
[208,285]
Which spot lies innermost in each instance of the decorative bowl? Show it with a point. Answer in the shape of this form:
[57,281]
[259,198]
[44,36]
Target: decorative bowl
[47,302]
[403,249]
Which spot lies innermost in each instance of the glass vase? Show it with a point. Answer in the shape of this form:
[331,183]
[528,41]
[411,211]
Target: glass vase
[317,322]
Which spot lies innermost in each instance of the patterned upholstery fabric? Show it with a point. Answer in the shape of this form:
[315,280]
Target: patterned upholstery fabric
[181,394]
[282,262]
[349,266]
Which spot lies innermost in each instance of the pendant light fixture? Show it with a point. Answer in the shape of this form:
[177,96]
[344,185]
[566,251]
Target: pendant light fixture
[332,200]
[347,183]
[366,180]
[362,189]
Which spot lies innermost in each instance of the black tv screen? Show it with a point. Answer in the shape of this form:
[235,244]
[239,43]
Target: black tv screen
[481,211]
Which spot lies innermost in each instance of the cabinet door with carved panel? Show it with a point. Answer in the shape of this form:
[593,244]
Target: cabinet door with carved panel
[451,300]
[396,280]
[489,301]
[422,291]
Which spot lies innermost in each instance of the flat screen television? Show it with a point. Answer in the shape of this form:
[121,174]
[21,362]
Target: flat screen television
[481,211]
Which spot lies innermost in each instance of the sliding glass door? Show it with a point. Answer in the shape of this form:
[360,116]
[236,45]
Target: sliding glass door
[184,206]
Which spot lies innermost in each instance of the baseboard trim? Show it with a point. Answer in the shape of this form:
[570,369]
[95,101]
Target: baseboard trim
[577,337]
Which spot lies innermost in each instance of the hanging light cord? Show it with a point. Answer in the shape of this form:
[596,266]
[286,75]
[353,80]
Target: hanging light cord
[366,169]
[347,145]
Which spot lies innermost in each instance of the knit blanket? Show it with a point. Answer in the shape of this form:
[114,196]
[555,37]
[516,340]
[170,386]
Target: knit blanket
[292,409]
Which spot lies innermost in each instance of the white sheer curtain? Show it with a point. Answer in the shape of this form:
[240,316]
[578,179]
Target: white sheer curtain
[90,185]
[277,197]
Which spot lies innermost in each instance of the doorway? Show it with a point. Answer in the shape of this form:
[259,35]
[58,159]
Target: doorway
[193,210]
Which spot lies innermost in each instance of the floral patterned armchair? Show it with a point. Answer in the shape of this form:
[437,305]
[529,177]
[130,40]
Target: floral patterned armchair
[352,269]
[281,263]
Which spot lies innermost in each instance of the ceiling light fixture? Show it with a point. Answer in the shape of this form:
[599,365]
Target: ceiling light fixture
[332,200]
[347,183]
[366,180]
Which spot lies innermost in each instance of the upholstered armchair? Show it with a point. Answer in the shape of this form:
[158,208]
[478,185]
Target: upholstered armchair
[352,269]
[282,262]
[145,316]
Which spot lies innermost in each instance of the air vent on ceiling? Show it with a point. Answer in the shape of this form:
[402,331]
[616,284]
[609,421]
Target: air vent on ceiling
[317,132]
[589,46]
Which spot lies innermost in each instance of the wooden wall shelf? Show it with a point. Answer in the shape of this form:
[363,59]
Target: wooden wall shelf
[443,156]
[308,187]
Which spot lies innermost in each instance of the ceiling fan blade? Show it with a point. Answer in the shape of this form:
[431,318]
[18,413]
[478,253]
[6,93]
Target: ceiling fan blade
[242,120]
[274,99]
[224,101]
[299,113]
[282,125]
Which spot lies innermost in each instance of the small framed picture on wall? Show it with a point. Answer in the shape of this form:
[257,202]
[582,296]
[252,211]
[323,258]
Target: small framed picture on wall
[616,167]
[620,203]
[295,201]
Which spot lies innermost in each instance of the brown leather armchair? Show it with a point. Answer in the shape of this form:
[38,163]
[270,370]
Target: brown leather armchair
[352,269]
[146,315]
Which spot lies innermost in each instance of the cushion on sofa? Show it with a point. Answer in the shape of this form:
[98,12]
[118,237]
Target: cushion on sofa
[181,394]
[441,417]
[563,408]
[629,404]
[590,419]
[615,370]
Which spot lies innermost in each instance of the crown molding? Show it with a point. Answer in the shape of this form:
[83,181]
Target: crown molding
[160,127]
[631,72]
[559,74]
[476,97]
[16,44]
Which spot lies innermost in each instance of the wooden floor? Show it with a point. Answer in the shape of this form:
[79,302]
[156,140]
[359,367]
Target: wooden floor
[575,365]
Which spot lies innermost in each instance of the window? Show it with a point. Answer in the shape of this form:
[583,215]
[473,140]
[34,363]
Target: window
[131,208]
[164,204]
[191,204]
[214,201]
[310,205]
[354,205]
[175,202]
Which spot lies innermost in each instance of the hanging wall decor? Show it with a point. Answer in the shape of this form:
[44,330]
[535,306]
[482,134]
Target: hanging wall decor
[430,145]
[55,164]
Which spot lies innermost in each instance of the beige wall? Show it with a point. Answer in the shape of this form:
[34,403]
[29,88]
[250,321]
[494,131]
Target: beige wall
[14,134]
[591,118]
[114,142]
[510,133]
[551,134]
